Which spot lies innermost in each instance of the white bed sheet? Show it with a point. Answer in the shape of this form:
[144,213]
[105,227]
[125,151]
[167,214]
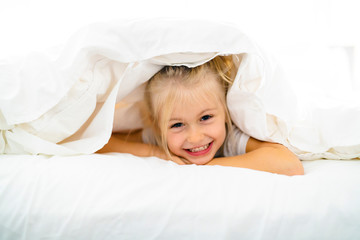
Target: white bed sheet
[119,196]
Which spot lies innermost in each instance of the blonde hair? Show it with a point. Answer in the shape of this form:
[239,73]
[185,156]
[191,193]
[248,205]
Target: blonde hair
[174,84]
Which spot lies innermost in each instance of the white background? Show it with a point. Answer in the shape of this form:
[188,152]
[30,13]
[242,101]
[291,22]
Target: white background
[317,41]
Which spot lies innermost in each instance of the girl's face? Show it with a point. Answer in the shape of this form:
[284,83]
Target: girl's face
[196,131]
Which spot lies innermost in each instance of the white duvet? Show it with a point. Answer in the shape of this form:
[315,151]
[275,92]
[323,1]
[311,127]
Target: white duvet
[63,103]
[119,196]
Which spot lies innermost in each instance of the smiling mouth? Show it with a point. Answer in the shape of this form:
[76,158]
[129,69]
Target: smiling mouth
[194,150]
[200,150]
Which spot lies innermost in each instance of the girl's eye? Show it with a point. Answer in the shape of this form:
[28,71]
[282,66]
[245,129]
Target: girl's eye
[206,117]
[176,125]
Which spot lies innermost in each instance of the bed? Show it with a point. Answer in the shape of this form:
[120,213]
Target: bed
[119,196]
[56,111]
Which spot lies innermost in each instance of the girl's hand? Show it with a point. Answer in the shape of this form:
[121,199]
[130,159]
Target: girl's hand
[158,152]
[120,143]
[179,160]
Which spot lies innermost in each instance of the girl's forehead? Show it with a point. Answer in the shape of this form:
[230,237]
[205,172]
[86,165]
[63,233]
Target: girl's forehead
[197,94]
[198,99]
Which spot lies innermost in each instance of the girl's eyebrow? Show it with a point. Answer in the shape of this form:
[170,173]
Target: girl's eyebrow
[208,110]
[201,113]
[175,119]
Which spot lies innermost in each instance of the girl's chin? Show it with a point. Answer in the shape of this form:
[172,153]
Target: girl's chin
[200,161]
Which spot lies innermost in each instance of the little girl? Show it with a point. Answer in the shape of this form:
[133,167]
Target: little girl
[187,121]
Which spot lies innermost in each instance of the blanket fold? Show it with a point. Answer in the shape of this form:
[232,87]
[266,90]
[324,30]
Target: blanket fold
[64,104]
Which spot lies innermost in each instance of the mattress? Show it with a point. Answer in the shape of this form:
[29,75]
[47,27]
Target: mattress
[120,196]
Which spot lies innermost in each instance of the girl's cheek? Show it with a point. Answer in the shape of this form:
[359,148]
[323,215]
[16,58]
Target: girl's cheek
[172,140]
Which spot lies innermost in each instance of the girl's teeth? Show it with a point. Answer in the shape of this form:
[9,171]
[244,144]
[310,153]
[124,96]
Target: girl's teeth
[199,148]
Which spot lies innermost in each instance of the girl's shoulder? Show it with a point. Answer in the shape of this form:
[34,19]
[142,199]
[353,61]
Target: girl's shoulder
[148,136]
[235,143]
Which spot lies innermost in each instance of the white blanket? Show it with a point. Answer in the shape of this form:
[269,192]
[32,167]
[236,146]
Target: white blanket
[63,104]
[119,196]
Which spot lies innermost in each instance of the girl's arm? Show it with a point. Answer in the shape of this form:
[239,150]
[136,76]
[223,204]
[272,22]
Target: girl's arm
[264,156]
[132,143]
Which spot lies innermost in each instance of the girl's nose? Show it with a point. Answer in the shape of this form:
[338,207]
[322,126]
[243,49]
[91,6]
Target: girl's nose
[195,135]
